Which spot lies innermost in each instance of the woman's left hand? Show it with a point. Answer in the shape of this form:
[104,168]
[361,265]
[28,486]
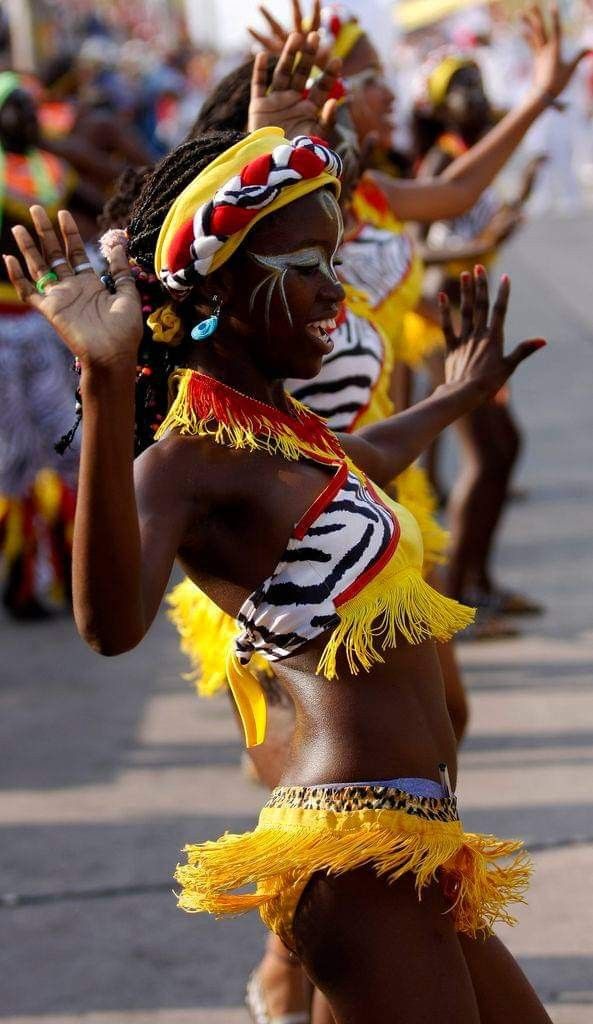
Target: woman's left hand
[283,102]
[551,74]
[475,355]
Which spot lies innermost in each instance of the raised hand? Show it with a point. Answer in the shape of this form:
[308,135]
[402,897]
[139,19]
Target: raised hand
[282,102]
[274,42]
[100,328]
[551,74]
[476,355]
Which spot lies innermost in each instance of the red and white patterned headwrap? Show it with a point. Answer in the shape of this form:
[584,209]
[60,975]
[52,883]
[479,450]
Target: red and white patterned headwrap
[210,218]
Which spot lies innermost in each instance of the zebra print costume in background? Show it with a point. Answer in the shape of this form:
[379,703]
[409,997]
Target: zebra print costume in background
[468,226]
[336,548]
[343,388]
[36,401]
[377,260]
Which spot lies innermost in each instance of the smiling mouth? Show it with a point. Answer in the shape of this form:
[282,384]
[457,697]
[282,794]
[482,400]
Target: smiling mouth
[319,330]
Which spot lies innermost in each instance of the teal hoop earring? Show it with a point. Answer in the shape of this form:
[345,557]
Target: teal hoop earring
[207,327]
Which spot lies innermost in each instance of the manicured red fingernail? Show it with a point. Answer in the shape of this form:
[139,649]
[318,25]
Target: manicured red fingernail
[505,279]
[465,277]
[442,299]
[540,343]
[480,270]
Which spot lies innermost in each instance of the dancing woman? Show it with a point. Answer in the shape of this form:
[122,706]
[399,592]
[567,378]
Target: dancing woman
[456,111]
[278,520]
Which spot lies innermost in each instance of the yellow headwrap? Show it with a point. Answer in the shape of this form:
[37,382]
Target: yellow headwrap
[247,182]
[346,39]
[440,77]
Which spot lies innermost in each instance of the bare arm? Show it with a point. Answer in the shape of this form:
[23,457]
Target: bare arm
[460,185]
[475,369]
[123,548]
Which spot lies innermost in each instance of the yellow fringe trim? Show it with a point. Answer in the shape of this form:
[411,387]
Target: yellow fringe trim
[394,603]
[280,857]
[420,338]
[413,490]
[206,635]
[183,416]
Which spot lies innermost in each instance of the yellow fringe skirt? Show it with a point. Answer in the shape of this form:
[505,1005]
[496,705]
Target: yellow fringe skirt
[304,830]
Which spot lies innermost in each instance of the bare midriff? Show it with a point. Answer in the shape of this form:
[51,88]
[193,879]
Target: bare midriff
[390,722]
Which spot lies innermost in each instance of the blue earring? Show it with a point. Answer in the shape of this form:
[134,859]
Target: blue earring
[207,327]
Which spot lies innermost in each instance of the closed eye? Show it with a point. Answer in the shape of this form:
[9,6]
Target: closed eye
[308,269]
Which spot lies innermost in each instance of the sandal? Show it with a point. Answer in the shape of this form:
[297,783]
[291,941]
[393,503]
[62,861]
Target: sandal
[255,1001]
[488,627]
[502,602]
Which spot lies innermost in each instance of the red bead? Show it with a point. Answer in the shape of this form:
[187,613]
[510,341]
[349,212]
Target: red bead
[146,371]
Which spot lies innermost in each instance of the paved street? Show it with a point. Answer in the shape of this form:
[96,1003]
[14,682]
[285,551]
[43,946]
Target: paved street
[109,767]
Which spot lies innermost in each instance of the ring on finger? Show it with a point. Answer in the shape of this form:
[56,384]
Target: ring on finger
[48,278]
[124,275]
[58,263]
[108,282]
[81,267]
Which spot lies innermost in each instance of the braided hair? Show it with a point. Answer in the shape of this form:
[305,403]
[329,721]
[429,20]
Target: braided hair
[159,190]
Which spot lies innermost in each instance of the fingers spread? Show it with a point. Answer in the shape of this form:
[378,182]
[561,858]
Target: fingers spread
[499,310]
[51,247]
[73,243]
[266,41]
[323,84]
[281,79]
[259,76]
[446,321]
[467,305]
[305,62]
[481,301]
[297,16]
[36,263]
[327,117]
[277,29]
[523,351]
[23,287]
[119,263]
[587,52]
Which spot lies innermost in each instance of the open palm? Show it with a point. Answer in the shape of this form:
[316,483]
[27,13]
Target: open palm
[284,102]
[98,327]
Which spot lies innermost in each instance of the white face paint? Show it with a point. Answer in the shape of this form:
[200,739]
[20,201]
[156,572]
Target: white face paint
[279,264]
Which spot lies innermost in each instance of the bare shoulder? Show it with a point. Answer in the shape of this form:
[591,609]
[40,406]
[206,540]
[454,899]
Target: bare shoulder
[366,456]
[193,470]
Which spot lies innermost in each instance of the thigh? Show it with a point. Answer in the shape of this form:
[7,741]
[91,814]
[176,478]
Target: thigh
[380,955]
[503,992]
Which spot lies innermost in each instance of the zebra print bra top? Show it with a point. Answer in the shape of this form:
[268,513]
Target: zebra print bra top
[338,547]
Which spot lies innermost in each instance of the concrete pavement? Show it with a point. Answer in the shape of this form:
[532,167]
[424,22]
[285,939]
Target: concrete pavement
[109,767]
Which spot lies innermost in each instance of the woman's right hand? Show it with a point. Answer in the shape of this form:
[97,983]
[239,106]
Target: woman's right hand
[475,354]
[101,329]
[274,42]
[283,102]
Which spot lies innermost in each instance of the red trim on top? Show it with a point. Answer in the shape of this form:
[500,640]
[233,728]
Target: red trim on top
[212,399]
[321,502]
[373,570]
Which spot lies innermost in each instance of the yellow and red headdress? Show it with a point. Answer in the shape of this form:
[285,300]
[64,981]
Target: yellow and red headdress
[341,28]
[211,217]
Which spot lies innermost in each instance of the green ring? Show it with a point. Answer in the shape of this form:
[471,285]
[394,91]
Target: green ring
[44,280]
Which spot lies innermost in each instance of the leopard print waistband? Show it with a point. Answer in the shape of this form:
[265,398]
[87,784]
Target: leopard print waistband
[364,798]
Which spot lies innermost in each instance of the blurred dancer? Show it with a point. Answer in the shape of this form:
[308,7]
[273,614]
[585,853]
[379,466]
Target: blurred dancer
[453,116]
[37,486]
